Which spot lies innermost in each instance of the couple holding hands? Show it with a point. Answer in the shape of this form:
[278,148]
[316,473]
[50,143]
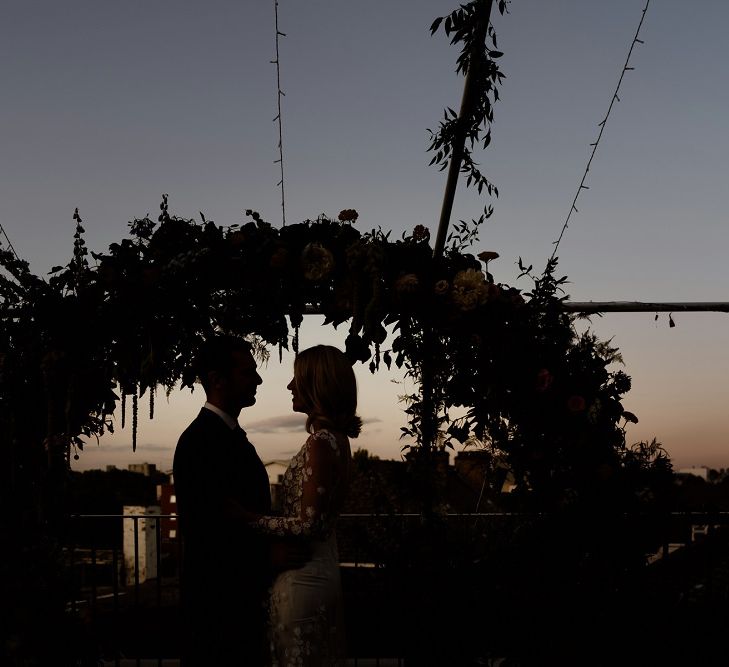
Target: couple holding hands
[257,588]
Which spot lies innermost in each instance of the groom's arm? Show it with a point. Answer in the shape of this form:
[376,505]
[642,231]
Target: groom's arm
[284,553]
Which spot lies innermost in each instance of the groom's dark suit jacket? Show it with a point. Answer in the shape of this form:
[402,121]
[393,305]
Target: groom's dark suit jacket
[225,567]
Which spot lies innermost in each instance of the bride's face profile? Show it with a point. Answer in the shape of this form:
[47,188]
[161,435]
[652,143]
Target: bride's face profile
[296,403]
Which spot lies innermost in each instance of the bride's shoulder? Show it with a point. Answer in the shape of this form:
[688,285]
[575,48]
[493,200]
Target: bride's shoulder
[324,435]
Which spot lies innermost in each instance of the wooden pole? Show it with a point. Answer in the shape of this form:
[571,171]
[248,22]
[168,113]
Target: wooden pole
[457,149]
[645,307]
[625,307]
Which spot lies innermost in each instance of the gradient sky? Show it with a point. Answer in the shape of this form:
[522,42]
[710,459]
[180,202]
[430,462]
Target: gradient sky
[106,105]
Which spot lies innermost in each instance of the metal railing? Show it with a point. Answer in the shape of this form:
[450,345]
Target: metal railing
[133,608]
[114,592]
[109,587]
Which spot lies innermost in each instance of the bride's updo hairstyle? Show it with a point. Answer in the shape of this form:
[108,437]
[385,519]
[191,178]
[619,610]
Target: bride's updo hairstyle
[327,388]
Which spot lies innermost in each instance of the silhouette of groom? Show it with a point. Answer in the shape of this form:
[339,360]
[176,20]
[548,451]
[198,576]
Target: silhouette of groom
[226,567]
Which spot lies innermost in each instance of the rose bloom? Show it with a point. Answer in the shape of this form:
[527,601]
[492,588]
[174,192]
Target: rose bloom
[604,471]
[317,262]
[544,380]
[575,404]
[421,233]
[407,284]
[151,276]
[441,287]
[469,289]
[279,258]
[348,215]
[237,238]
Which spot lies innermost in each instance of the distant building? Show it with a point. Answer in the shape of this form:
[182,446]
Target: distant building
[474,466]
[167,500]
[146,469]
[142,551]
[275,470]
[384,486]
[696,471]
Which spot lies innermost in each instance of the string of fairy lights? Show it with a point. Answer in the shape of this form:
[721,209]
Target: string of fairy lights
[582,186]
[279,95]
[7,241]
[602,124]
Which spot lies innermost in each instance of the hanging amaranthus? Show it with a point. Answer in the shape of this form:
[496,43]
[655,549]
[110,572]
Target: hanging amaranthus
[135,414]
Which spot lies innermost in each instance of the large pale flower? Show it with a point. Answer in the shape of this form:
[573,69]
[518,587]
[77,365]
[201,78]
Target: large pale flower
[469,289]
[576,403]
[316,261]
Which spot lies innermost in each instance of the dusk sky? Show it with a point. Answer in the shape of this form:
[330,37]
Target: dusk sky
[107,105]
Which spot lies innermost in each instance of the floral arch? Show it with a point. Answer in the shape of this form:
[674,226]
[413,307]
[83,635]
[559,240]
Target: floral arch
[494,366]
[540,398]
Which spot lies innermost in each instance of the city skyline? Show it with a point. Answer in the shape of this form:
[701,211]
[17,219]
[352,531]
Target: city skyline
[110,106]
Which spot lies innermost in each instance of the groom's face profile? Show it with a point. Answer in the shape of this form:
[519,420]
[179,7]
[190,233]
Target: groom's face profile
[244,378]
[236,388]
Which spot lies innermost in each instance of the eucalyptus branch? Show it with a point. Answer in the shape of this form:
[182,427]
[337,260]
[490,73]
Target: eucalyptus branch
[466,25]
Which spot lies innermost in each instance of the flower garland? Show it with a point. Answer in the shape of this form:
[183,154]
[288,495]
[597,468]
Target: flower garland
[535,394]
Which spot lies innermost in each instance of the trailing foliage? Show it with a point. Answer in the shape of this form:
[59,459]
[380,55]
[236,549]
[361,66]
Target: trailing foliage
[469,26]
[541,398]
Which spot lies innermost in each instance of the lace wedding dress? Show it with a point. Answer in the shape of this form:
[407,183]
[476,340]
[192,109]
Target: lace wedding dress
[305,622]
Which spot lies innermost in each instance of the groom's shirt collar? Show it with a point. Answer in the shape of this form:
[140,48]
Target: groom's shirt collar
[230,422]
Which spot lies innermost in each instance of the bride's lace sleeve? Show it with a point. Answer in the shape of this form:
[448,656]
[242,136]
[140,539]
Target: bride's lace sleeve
[318,480]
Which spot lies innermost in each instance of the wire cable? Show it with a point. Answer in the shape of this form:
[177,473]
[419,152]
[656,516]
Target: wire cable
[615,98]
